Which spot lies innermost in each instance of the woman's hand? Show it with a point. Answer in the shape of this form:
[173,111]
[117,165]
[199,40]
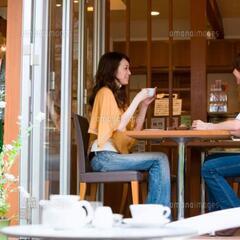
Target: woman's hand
[148,101]
[200,125]
[144,98]
[142,95]
[235,133]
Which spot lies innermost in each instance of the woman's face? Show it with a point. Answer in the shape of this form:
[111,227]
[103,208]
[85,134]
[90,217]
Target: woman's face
[236,73]
[123,72]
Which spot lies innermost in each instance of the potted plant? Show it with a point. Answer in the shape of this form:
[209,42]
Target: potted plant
[7,179]
[9,182]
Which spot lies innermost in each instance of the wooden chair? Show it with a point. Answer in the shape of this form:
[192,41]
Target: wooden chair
[236,185]
[86,175]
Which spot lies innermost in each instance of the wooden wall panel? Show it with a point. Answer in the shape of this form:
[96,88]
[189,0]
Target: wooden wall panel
[181,53]
[160,54]
[220,53]
[198,98]
[198,61]
[13,70]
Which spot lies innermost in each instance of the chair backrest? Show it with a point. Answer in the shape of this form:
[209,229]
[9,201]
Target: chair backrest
[82,137]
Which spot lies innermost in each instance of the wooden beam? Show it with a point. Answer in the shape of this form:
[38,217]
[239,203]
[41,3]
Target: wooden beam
[107,26]
[13,73]
[3,3]
[215,18]
[149,43]
[170,61]
[198,99]
[3,26]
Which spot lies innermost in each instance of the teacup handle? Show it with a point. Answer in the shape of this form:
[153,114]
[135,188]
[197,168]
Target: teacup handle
[166,211]
[89,210]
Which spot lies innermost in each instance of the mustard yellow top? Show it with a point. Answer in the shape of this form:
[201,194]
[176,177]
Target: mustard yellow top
[105,119]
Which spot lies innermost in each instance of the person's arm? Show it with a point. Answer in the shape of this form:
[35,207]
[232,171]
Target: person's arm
[142,113]
[126,116]
[226,125]
[235,133]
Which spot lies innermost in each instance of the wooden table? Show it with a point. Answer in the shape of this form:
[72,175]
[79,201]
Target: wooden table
[181,137]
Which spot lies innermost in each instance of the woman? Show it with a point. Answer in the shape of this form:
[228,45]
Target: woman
[218,167]
[111,117]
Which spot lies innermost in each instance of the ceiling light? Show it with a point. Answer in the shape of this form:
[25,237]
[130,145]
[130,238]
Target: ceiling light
[155,13]
[3,48]
[58,5]
[90,9]
[75,1]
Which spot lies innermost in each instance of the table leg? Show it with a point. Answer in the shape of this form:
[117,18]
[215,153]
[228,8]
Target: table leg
[181,162]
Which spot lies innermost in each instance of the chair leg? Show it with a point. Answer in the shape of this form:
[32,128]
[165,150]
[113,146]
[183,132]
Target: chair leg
[144,191]
[124,197]
[236,187]
[135,192]
[93,191]
[47,184]
[82,191]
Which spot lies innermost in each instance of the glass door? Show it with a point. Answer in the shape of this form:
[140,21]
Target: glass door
[62,43]
[53,101]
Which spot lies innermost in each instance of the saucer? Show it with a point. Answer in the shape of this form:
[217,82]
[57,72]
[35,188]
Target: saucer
[143,223]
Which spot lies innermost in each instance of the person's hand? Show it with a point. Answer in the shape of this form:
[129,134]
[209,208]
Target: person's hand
[142,95]
[200,125]
[148,101]
[235,133]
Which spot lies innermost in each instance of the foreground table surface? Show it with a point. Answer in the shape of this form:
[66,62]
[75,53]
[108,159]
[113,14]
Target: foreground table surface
[121,232]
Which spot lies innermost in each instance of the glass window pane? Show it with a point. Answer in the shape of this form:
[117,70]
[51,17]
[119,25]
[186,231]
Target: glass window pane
[52,141]
[88,53]
[117,26]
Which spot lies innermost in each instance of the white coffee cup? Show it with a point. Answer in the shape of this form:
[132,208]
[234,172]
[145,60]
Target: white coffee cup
[151,91]
[149,212]
[103,217]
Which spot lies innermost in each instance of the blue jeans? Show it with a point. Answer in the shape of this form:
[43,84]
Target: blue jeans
[155,163]
[215,171]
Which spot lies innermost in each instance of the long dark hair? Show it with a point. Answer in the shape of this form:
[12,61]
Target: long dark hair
[106,77]
[236,63]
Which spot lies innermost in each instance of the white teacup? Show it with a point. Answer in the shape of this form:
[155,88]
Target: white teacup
[103,217]
[149,212]
[64,198]
[151,91]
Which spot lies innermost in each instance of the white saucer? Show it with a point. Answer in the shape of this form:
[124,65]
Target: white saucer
[143,223]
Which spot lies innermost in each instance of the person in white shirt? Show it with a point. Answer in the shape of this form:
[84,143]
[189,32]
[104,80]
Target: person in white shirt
[218,167]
